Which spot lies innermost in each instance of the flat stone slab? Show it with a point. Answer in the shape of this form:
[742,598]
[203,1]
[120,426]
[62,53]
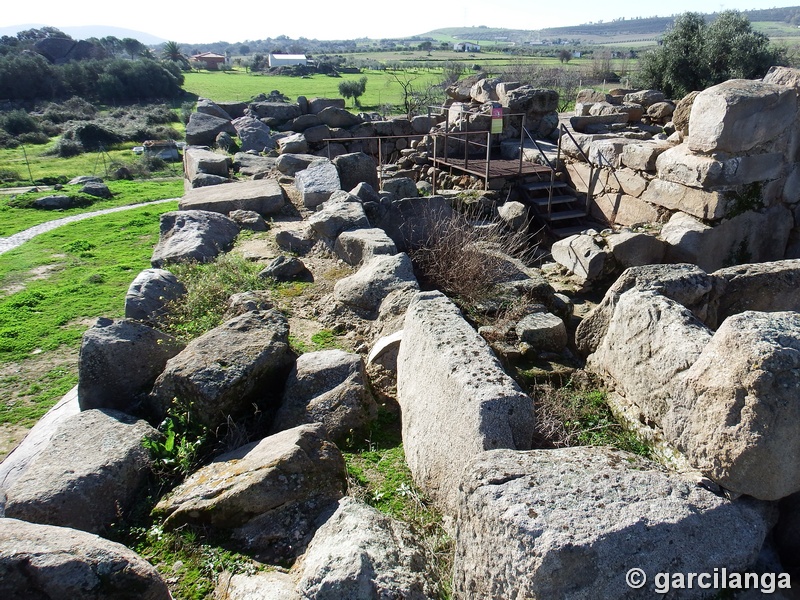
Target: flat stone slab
[264,196]
[572,522]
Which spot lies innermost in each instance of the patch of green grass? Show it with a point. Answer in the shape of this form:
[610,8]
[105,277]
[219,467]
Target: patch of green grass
[325,340]
[89,267]
[582,418]
[237,85]
[292,289]
[378,474]
[35,162]
[208,288]
[14,220]
[42,396]
[188,561]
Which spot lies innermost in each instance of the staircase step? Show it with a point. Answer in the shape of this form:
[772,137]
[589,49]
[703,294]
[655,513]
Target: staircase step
[542,185]
[542,202]
[567,214]
[563,232]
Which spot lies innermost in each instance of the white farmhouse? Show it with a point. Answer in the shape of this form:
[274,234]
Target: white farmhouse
[287,60]
[466,47]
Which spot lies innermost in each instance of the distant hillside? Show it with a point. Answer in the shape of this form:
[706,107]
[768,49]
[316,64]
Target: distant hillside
[621,30]
[87,31]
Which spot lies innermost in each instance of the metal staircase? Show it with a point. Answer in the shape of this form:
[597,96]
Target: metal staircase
[555,204]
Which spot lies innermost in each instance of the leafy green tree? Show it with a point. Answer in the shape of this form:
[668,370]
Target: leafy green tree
[132,46]
[695,55]
[353,89]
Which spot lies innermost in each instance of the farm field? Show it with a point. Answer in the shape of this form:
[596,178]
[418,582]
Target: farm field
[33,163]
[240,86]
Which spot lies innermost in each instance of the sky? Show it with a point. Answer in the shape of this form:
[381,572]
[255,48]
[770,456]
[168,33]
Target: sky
[332,19]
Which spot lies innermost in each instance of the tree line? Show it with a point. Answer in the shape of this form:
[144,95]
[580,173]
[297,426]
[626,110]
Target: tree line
[104,76]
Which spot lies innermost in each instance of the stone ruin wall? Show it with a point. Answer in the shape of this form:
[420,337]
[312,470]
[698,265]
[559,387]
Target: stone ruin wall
[721,190]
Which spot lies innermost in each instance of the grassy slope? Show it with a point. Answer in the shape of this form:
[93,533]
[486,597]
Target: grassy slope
[89,267]
[13,220]
[41,165]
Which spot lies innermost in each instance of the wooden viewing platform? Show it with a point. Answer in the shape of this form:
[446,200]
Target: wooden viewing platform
[508,169]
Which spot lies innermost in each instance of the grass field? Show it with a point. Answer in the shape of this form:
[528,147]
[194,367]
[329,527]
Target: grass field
[32,162]
[240,86]
[54,286]
[13,220]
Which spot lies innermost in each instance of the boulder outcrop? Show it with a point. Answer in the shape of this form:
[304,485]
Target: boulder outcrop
[266,495]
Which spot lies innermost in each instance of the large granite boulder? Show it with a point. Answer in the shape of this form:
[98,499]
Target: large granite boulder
[275,113]
[291,164]
[457,400]
[356,168]
[583,256]
[573,522]
[361,553]
[740,115]
[333,116]
[254,135]
[119,362]
[202,160]
[209,107]
[414,222]
[294,143]
[766,287]
[89,472]
[264,496]
[400,187]
[360,245]
[193,235]
[149,294]
[264,196]
[366,289]
[20,458]
[328,387]
[52,563]
[317,182]
[222,372]
[341,212]
[685,284]
[203,129]
[737,410]
[253,165]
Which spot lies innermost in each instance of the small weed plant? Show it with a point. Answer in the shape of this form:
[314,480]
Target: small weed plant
[570,417]
[178,450]
[209,286]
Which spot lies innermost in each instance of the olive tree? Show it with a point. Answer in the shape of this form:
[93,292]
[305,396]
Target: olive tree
[352,88]
[695,55]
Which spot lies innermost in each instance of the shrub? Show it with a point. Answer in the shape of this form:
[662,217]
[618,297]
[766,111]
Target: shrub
[74,109]
[66,148]
[160,114]
[187,108]
[461,260]
[17,122]
[35,137]
[7,175]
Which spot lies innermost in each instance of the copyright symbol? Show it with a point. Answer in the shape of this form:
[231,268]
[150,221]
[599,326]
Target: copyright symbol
[636,578]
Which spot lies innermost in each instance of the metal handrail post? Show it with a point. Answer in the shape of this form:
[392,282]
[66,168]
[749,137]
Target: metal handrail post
[434,165]
[521,144]
[380,164]
[488,158]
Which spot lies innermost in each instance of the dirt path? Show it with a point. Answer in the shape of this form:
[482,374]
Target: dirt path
[16,240]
